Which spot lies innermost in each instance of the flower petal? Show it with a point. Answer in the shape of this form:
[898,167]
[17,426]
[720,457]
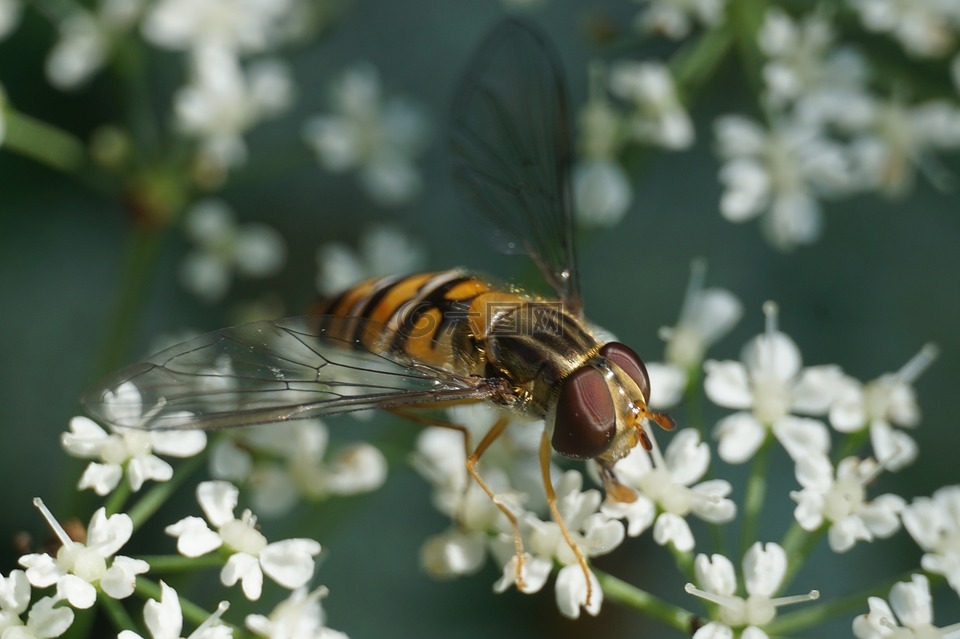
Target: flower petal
[107,535]
[687,457]
[716,574]
[727,384]
[715,508]
[713,630]
[194,538]
[816,390]
[453,553]
[78,592]
[178,443]
[218,499]
[666,385]
[102,478]
[534,573]
[245,569]
[772,356]
[802,437]
[571,592]
[912,603]
[42,570]
[121,578]
[84,439]
[847,532]
[639,513]
[764,566]
[147,467]
[290,562]
[673,529]
[164,618]
[739,437]
[47,620]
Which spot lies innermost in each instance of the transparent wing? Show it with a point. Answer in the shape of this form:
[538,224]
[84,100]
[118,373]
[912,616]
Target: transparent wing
[511,151]
[272,371]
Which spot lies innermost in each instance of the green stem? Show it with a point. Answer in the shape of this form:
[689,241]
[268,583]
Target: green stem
[684,562]
[179,563]
[798,544]
[118,498]
[852,443]
[696,63]
[755,494]
[158,495]
[819,612]
[119,616]
[667,613]
[142,249]
[43,142]
[746,18]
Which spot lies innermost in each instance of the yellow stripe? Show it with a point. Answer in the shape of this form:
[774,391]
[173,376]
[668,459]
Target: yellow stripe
[398,294]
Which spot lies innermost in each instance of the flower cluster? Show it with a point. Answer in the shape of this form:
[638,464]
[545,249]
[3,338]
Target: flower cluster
[646,111]
[382,250]
[377,137]
[254,250]
[283,463]
[830,133]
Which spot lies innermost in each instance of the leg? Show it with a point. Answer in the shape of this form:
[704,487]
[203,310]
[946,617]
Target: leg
[545,452]
[472,459]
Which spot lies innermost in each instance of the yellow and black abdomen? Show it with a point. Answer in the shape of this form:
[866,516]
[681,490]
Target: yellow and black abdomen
[424,317]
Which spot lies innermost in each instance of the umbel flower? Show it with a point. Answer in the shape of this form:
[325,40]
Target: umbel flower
[130,449]
[771,388]
[665,490]
[764,567]
[290,562]
[934,523]
[909,615]
[81,569]
[45,620]
[839,499]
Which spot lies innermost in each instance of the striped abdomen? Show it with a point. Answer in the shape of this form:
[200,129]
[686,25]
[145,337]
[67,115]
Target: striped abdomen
[424,317]
[457,321]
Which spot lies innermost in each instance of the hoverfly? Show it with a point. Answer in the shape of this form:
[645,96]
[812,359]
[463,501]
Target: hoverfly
[414,343]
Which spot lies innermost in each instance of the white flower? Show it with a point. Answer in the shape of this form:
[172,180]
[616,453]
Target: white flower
[925,28]
[897,138]
[658,117]
[380,138]
[86,39]
[79,570]
[223,101]
[911,602]
[381,250]
[45,619]
[253,249]
[127,449]
[676,18]
[934,523]
[602,192]
[240,26]
[764,567]
[781,172]
[290,462]
[299,616]
[705,317]
[591,531]
[601,188]
[840,501]
[804,66]
[290,562]
[772,385]
[9,17]
[664,496]
[164,619]
[881,404]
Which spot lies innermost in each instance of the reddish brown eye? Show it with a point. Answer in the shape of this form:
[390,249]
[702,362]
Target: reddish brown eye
[586,420]
[624,357]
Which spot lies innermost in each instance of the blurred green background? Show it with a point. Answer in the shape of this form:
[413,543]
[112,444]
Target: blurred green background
[880,283]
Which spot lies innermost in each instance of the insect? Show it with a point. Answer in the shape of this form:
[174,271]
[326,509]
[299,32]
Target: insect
[411,344]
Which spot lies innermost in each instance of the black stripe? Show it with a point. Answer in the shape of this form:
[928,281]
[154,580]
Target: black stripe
[370,304]
[434,299]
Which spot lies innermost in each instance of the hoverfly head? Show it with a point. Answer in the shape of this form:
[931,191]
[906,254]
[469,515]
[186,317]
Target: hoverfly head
[601,406]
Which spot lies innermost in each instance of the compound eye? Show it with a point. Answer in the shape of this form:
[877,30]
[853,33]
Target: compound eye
[586,419]
[631,364]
